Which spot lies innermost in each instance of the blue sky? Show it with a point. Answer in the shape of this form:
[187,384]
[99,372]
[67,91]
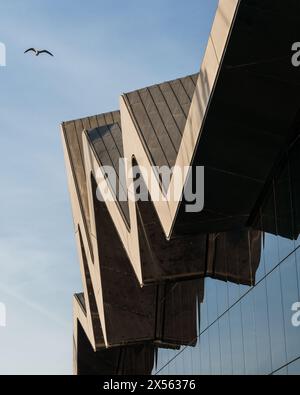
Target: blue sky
[102,48]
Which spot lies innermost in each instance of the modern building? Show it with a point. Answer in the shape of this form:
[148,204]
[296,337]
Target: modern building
[172,290]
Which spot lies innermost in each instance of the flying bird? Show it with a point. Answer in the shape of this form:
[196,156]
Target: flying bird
[38,52]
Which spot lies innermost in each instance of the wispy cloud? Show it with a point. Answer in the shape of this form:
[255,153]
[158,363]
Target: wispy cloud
[34,306]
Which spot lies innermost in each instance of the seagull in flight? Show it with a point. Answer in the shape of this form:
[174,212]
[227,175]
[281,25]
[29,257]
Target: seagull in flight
[38,52]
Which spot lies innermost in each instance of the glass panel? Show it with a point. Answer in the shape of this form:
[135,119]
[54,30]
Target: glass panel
[271,253]
[163,356]
[294,368]
[261,271]
[243,290]
[290,295]
[203,312]
[286,247]
[237,340]
[211,300]
[222,297]
[215,355]
[297,242]
[196,359]
[225,345]
[233,293]
[171,369]
[179,363]
[161,360]
[184,365]
[205,355]
[263,346]
[298,271]
[281,372]
[276,321]
[247,306]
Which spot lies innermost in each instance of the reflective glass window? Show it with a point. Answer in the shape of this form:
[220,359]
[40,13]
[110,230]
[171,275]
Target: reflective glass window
[215,353]
[205,354]
[271,252]
[249,335]
[222,297]
[196,359]
[281,372]
[288,271]
[276,320]
[294,368]
[233,293]
[225,345]
[237,348]
[263,345]
[211,300]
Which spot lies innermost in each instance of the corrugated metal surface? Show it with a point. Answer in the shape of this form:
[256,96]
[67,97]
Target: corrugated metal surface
[106,138]
[160,113]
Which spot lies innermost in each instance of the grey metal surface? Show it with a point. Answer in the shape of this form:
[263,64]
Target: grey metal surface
[106,139]
[160,113]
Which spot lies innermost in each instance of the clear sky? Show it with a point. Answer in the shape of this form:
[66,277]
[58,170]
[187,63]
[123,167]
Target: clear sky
[102,48]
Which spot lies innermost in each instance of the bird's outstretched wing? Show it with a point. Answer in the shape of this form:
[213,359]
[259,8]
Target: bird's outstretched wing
[45,51]
[30,50]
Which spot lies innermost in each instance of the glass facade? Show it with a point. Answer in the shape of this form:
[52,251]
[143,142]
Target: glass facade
[249,329]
